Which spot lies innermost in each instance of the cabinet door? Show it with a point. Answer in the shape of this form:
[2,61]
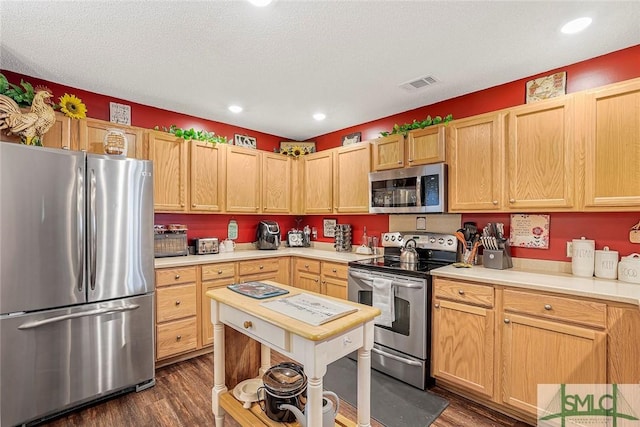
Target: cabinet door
[426,146]
[206,172]
[91,133]
[318,182]
[169,156]
[334,287]
[58,136]
[623,343]
[388,152]
[205,320]
[243,180]
[276,183]
[307,281]
[463,339]
[538,351]
[353,165]
[612,148]
[540,155]
[475,150]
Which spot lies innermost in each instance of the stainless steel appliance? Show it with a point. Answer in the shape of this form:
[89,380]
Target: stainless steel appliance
[76,279]
[420,189]
[205,246]
[403,349]
[268,235]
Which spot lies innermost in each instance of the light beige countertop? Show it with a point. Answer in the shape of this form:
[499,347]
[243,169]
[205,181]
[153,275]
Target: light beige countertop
[610,290]
[240,255]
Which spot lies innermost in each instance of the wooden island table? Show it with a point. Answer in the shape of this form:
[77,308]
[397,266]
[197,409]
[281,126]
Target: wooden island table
[313,346]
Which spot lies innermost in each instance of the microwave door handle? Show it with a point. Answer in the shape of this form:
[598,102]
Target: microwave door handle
[93,229]
[419,191]
[80,227]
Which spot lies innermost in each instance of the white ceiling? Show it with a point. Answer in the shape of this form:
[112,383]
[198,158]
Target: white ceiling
[291,59]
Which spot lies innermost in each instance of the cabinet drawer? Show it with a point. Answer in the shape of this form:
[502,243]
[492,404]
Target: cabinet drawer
[219,271]
[308,265]
[176,337]
[469,293]
[176,302]
[554,307]
[258,266]
[332,269]
[173,276]
[255,328]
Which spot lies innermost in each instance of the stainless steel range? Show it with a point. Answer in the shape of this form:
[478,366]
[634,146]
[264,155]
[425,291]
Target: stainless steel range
[402,347]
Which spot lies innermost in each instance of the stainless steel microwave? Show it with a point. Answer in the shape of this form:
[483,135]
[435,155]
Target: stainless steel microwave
[420,189]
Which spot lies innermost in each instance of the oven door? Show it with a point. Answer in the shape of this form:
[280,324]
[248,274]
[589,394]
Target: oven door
[408,331]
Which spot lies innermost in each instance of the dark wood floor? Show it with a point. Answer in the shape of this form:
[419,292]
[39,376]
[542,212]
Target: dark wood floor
[182,397]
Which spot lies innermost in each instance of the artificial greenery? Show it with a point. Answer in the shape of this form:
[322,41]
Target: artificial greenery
[22,94]
[405,128]
[198,135]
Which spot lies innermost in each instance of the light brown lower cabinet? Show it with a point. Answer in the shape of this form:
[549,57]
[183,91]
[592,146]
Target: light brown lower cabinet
[323,277]
[496,350]
[213,276]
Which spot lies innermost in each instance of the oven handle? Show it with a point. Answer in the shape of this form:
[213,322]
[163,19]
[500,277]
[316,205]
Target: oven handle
[394,357]
[367,278]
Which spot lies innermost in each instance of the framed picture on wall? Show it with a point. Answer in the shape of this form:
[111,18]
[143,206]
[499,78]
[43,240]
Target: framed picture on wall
[329,227]
[547,87]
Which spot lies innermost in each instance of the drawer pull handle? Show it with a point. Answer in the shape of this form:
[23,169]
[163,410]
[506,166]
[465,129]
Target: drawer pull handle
[461,292]
[247,324]
[399,162]
[306,266]
[512,200]
[177,276]
[495,202]
[547,306]
[507,321]
[261,267]
[178,338]
[177,302]
[437,305]
[334,270]
[316,280]
[347,340]
[219,271]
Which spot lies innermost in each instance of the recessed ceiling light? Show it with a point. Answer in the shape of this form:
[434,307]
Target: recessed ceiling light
[235,108]
[319,116]
[260,3]
[576,25]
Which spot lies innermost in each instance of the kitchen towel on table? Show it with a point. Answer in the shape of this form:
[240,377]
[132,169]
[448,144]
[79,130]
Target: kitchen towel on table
[393,403]
[383,299]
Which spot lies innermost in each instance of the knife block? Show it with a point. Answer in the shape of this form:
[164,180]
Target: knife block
[498,260]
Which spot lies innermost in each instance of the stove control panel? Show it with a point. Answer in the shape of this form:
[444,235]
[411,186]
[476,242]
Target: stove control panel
[434,241]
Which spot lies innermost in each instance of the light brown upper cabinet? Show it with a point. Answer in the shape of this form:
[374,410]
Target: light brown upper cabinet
[170,162]
[612,147]
[318,182]
[58,136]
[419,147]
[276,183]
[475,155]
[206,169]
[243,178]
[352,167]
[541,155]
[91,133]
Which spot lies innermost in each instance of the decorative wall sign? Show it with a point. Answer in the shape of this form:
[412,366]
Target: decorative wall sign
[244,141]
[547,87]
[329,227]
[530,231]
[352,138]
[296,149]
[120,113]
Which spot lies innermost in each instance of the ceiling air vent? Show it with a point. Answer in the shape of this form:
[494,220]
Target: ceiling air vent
[418,83]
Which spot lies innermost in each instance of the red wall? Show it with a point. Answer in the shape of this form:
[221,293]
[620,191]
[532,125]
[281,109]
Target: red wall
[609,229]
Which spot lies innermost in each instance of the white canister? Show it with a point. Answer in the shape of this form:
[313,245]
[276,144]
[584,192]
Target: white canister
[629,269]
[583,257]
[606,263]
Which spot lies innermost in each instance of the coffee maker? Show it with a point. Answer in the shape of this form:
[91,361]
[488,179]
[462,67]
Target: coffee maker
[268,235]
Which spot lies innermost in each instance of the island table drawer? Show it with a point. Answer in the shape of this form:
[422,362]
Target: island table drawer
[588,313]
[254,327]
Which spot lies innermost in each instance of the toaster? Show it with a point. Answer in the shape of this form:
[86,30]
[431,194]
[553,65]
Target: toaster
[205,246]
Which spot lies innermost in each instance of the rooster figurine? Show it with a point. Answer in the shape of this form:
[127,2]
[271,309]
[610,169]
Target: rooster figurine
[30,126]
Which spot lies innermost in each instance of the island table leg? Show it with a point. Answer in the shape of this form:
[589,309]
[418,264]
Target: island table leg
[219,387]
[364,377]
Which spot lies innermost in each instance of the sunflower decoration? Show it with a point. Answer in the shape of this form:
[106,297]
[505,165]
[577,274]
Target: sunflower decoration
[72,106]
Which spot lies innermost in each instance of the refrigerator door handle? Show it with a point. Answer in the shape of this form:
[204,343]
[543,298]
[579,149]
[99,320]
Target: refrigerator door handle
[93,229]
[80,227]
[99,311]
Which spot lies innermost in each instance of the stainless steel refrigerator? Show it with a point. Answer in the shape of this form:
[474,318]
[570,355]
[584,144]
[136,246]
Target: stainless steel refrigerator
[76,279]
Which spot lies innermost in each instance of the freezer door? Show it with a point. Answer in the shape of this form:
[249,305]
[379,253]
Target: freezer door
[57,359]
[41,228]
[119,227]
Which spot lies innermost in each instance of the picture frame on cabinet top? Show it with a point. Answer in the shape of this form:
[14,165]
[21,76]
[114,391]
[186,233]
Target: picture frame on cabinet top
[244,141]
[352,138]
[546,87]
